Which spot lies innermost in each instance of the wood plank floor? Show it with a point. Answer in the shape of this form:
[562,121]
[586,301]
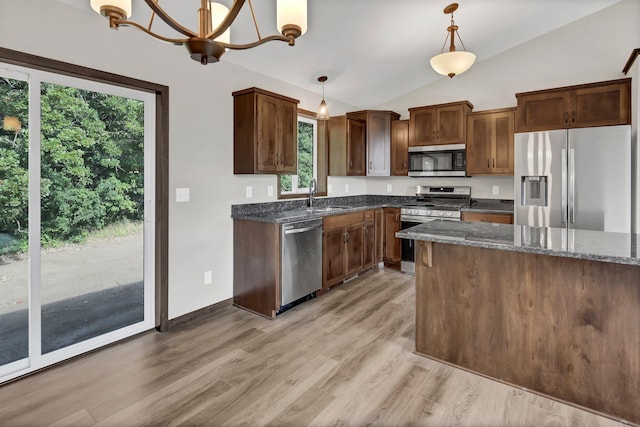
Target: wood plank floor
[344,358]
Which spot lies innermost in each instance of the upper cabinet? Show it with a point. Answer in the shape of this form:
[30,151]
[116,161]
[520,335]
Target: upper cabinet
[265,132]
[360,143]
[490,142]
[347,139]
[596,104]
[400,148]
[438,124]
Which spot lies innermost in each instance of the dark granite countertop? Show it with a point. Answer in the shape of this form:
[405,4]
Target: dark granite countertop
[296,210]
[621,248]
[490,206]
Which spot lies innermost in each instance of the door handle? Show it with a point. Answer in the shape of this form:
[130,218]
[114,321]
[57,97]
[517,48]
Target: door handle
[488,160]
[494,162]
[302,230]
[566,117]
[572,186]
[573,117]
[563,209]
[370,165]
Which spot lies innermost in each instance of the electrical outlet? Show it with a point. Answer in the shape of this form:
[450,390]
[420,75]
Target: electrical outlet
[495,190]
[389,188]
[207,277]
[182,195]
[249,192]
[346,188]
[270,190]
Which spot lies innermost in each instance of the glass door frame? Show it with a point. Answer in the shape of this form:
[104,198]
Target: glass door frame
[156,313]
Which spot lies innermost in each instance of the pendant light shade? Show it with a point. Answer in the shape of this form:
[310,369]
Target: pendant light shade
[452,62]
[323,109]
[292,17]
[218,13]
[104,6]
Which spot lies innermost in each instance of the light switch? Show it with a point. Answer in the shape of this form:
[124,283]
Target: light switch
[182,195]
[270,190]
[207,277]
[249,192]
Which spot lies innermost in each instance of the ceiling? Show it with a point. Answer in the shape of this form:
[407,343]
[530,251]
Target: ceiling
[376,50]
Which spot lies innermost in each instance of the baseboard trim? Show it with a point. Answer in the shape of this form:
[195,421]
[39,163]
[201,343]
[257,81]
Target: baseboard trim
[195,315]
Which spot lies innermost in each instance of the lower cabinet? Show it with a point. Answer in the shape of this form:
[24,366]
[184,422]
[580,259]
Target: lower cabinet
[498,218]
[392,245]
[369,250]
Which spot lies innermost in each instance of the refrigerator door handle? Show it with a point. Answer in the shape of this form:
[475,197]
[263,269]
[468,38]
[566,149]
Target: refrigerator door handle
[563,210]
[572,186]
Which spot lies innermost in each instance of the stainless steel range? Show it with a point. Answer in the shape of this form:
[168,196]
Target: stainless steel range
[432,203]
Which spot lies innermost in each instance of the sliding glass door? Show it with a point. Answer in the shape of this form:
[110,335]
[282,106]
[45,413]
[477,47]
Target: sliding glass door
[77,222]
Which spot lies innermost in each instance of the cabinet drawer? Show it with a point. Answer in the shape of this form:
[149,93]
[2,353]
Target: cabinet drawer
[498,218]
[342,220]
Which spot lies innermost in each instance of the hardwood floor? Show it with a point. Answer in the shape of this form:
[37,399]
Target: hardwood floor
[344,358]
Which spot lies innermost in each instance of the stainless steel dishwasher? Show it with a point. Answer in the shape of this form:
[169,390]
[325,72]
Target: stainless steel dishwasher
[301,260]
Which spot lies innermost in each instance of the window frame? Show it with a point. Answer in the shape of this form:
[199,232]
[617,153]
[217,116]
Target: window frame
[320,165]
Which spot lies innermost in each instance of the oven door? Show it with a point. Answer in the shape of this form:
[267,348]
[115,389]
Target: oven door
[408,254]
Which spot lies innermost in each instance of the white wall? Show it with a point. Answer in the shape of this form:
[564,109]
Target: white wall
[201,115]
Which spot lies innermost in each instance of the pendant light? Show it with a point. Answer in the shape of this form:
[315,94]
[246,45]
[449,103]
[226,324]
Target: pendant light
[323,110]
[452,62]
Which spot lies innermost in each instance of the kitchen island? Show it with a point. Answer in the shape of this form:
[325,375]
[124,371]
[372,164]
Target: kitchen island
[555,311]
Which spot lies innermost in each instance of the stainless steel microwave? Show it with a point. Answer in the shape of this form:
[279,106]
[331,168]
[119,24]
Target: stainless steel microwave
[438,160]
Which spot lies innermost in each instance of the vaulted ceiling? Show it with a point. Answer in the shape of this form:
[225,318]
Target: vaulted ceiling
[375,50]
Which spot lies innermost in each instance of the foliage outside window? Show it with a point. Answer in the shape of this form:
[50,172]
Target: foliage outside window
[307,159]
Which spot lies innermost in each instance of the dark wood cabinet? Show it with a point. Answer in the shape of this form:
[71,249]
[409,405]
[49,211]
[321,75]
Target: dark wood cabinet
[256,283]
[438,124]
[400,148]
[392,245]
[497,218]
[369,250]
[379,230]
[347,139]
[378,139]
[342,247]
[265,132]
[595,104]
[490,142]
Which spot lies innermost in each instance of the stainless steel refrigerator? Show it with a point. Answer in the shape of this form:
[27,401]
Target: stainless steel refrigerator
[574,179]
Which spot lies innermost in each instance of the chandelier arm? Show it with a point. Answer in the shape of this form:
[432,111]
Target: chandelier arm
[255,21]
[226,23]
[460,38]
[254,44]
[151,33]
[445,42]
[155,7]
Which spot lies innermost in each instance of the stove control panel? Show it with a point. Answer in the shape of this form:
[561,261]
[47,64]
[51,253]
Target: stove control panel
[432,213]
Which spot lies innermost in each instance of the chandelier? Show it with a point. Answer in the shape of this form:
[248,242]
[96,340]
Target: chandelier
[452,62]
[212,38]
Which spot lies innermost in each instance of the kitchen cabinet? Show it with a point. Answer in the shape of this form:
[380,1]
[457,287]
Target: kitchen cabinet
[494,217]
[490,142]
[256,266]
[342,247]
[392,245]
[347,142]
[400,148]
[369,246]
[377,140]
[439,124]
[589,105]
[265,132]
[379,229]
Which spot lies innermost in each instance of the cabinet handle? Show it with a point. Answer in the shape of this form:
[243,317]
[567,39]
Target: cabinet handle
[494,162]
[566,117]
[350,163]
[370,165]
[433,134]
[573,117]
[438,134]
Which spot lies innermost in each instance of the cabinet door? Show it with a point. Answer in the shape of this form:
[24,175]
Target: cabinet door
[337,146]
[356,147]
[333,256]
[451,123]
[479,144]
[600,106]
[378,143]
[369,245]
[287,131]
[422,126]
[392,245]
[267,122]
[543,111]
[379,224]
[503,128]
[399,147]
[354,249]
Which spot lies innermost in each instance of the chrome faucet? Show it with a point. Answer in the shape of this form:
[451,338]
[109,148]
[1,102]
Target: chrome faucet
[313,187]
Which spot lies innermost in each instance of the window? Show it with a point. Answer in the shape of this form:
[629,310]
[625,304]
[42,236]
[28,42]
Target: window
[311,159]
